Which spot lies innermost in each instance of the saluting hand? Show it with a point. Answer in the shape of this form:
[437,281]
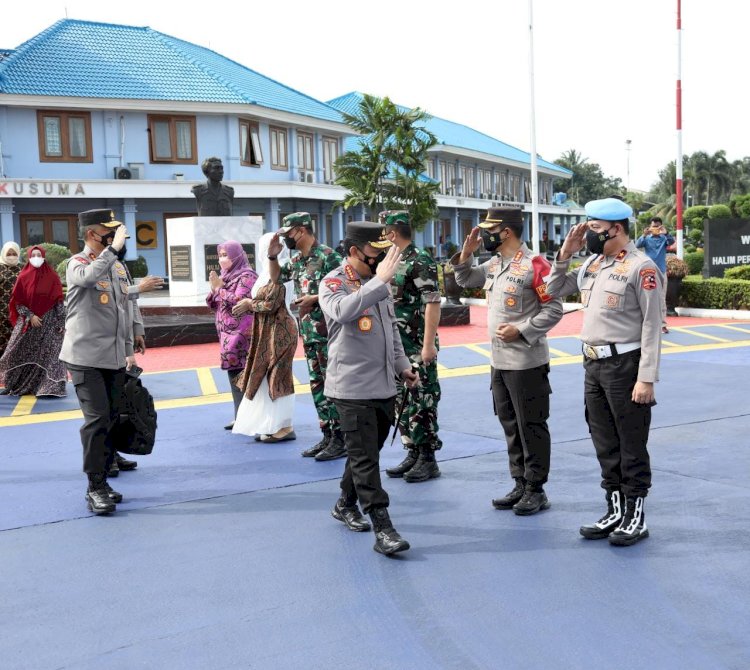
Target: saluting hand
[121,234]
[471,244]
[574,241]
[387,267]
[275,247]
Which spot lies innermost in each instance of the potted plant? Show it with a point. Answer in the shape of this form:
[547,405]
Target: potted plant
[676,270]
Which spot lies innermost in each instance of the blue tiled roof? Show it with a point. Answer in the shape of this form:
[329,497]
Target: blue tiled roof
[98,60]
[453,134]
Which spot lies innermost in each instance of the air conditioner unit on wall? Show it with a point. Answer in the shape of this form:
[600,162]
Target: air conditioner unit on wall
[123,173]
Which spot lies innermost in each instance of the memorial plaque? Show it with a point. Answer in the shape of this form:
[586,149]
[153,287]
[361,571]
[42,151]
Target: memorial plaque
[180,263]
[212,257]
[727,245]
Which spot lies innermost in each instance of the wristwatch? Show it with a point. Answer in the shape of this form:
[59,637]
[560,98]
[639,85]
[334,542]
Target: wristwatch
[271,258]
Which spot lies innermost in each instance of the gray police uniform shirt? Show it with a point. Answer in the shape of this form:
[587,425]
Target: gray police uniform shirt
[622,302]
[516,295]
[98,327]
[365,353]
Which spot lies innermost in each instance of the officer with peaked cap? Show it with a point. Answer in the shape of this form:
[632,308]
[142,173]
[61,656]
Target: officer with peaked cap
[98,345]
[621,295]
[310,262]
[416,297]
[365,357]
[520,314]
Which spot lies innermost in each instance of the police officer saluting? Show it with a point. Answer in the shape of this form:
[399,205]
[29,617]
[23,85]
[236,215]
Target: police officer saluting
[621,295]
[365,356]
[520,314]
[98,345]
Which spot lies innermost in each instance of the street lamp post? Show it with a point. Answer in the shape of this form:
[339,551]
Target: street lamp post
[627,167]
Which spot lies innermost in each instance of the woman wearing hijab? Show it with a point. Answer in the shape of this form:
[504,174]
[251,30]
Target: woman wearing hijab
[9,269]
[31,363]
[267,383]
[234,284]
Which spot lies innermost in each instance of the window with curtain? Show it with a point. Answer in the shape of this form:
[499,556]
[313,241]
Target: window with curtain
[64,137]
[279,159]
[172,139]
[330,154]
[305,154]
[250,152]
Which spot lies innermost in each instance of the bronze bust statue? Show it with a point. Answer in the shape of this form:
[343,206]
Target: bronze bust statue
[214,199]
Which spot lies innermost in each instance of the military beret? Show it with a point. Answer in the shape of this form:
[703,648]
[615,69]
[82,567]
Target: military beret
[367,232]
[98,217]
[608,209]
[391,217]
[294,220]
[507,215]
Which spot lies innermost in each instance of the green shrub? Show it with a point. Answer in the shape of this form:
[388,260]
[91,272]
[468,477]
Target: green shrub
[740,272]
[695,235]
[693,217]
[715,293]
[740,206]
[138,267]
[694,262]
[719,212]
[676,267]
[61,269]
[54,253]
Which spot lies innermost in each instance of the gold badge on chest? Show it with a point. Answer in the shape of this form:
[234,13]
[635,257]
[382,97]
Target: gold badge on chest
[365,324]
[104,298]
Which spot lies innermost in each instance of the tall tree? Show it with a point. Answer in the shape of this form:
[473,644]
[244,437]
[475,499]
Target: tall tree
[588,181]
[387,169]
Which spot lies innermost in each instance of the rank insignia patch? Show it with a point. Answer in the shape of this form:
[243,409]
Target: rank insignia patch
[648,279]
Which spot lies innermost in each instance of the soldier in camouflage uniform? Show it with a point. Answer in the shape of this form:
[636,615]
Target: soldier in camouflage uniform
[417,300]
[307,267]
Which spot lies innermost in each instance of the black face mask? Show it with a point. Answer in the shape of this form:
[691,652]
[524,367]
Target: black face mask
[106,240]
[290,243]
[122,253]
[490,240]
[374,261]
[595,241]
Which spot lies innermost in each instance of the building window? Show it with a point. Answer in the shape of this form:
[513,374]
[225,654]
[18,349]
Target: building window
[305,156]
[172,139]
[467,182]
[330,154]
[430,168]
[447,178]
[485,184]
[278,149]
[59,229]
[500,186]
[64,137]
[250,152]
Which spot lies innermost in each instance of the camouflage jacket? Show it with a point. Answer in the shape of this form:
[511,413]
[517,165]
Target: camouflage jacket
[307,273]
[414,285]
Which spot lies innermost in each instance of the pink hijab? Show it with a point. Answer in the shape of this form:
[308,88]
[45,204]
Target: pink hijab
[237,255]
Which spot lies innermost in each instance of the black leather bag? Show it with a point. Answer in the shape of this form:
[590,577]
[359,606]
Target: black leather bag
[135,432]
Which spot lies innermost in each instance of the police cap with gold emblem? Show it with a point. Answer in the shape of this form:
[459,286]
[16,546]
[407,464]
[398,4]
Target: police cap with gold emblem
[511,216]
[294,220]
[392,217]
[367,232]
[98,217]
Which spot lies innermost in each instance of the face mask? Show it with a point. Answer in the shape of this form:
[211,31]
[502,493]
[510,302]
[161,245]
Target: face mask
[374,261]
[290,243]
[122,253]
[491,240]
[596,241]
[36,261]
[225,262]
[106,240]
[11,260]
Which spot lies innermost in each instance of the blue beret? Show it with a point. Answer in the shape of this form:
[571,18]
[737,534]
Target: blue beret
[608,209]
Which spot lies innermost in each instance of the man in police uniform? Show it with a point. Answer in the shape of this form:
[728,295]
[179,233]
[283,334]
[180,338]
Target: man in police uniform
[98,345]
[365,357]
[520,314]
[307,267]
[621,295]
[416,296]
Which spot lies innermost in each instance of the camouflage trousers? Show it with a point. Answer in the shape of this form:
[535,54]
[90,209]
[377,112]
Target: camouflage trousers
[418,425]
[316,354]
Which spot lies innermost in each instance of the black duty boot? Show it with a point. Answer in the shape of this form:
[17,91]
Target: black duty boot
[97,495]
[114,496]
[114,469]
[632,528]
[317,448]
[610,520]
[348,513]
[511,497]
[425,468]
[534,500]
[334,449]
[404,466]
[387,539]
[124,464]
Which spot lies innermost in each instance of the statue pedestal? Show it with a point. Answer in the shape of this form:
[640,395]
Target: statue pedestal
[192,249]
[454,315]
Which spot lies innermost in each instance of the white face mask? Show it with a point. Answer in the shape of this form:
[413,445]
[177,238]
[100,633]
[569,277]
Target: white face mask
[11,260]
[36,261]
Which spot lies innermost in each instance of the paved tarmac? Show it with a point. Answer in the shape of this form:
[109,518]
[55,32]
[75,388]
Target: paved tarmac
[224,554]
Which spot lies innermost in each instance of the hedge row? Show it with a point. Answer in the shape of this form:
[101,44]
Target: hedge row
[715,293]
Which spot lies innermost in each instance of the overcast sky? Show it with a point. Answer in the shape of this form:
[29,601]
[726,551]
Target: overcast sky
[605,69]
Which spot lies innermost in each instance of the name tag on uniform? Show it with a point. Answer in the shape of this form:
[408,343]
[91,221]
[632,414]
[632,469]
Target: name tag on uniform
[488,282]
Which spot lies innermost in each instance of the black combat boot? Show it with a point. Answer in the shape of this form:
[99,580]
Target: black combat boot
[334,449]
[97,495]
[114,468]
[317,448]
[511,497]
[124,464]
[425,468]
[610,520]
[346,511]
[387,539]
[632,528]
[404,466]
[114,496]
[534,500]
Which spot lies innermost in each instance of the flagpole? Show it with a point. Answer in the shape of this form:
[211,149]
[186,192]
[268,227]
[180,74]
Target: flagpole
[678,185]
[534,170]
